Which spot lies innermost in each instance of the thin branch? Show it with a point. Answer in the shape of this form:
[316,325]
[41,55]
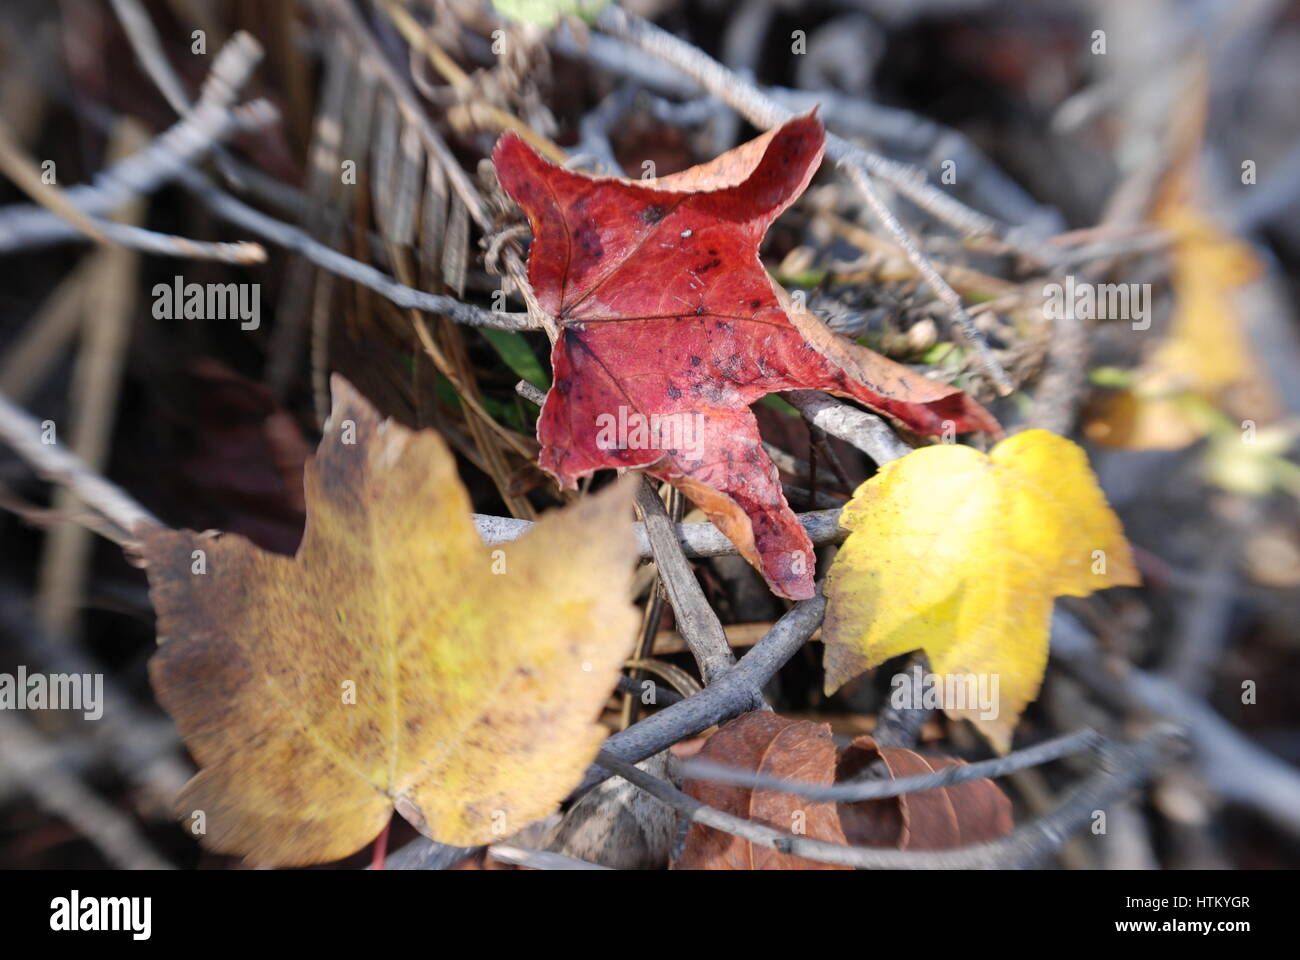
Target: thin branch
[696,621]
[539,859]
[212,120]
[144,40]
[738,691]
[663,696]
[877,789]
[21,431]
[291,238]
[698,540]
[240,252]
[866,431]
[25,174]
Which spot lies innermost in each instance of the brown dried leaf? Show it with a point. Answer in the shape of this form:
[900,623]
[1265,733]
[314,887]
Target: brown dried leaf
[955,816]
[773,746]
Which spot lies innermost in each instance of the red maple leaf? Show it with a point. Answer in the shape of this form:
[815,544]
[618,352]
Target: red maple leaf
[670,328]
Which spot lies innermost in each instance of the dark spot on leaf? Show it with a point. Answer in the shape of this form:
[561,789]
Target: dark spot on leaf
[653,214]
[695,361]
[589,240]
[673,392]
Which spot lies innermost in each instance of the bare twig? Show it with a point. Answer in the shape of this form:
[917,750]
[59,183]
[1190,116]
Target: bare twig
[663,696]
[241,252]
[739,690]
[292,238]
[696,621]
[877,789]
[144,39]
[101,353]
[174,151]
[26,175]
[539,859]
[697,539]
[866,431]
[22,432]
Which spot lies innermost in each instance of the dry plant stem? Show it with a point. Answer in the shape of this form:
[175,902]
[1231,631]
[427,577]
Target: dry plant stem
[858,175]
[144,39]
[240,253]
[651,616]
[38,768]
[765,112]
[22,432]
[26,175]
[696,621]
[168,155]
[101,353]
[1126,766]
[538,859]
[866,431]
[664,696]
[139,30]
[877,789]
[291,238]
[697,540]
[900,726]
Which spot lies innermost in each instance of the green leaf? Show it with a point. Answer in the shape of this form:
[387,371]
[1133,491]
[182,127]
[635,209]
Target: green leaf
[1114,377]
[518,356]
[547,13]
[776,403]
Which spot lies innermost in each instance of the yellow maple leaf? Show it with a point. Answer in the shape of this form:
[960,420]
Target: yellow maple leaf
[395,662]
[960,554]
